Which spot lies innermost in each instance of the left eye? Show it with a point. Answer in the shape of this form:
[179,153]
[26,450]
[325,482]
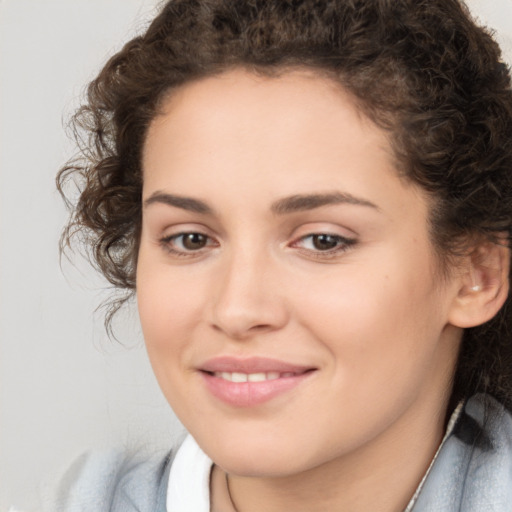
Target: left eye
[324,242]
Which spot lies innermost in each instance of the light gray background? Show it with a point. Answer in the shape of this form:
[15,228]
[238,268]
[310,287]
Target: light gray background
[64,387]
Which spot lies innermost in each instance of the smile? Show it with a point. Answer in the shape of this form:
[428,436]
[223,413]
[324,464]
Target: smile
[252,377]
[251,382]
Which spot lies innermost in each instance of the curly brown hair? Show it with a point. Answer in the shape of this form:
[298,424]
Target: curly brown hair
[421,69]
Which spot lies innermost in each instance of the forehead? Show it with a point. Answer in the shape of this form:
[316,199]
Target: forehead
[289,115]
[245,99]
[292,134]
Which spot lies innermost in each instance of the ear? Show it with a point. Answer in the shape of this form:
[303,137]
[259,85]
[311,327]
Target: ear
[483,285]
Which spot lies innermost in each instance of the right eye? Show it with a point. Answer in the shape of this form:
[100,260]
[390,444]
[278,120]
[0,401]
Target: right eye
[184,244]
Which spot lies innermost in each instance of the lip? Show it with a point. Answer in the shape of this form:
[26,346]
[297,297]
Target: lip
[251,365]
[249,394]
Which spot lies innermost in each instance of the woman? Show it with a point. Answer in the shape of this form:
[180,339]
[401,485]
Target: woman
[312,202]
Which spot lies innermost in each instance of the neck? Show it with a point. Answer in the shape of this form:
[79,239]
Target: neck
[383,475]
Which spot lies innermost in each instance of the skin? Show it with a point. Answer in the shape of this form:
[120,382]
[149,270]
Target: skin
[371,315]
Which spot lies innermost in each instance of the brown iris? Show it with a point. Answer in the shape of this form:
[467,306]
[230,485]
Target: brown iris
[325,242]
[194,241]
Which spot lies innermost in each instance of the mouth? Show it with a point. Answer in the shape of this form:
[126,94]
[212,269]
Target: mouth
[252,377]
[251,382]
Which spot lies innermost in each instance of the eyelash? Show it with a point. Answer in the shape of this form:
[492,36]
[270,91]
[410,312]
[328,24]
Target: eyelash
[342,244]
[167,244]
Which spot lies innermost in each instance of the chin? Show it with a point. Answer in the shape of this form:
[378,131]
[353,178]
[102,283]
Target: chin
[261,458]
[258,468]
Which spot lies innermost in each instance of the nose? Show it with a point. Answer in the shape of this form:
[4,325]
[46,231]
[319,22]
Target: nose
[249,298]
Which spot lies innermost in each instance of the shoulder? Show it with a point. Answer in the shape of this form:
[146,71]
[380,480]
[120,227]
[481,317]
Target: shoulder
[473,469]
[484,429]
[113,481]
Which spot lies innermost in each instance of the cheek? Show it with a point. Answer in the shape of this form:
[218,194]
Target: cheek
[168,315]
[169,307]
[382,334]
[374,320]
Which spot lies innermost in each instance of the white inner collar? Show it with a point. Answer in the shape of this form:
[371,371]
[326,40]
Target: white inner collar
[189,479]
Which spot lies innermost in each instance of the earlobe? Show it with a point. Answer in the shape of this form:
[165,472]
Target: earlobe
[484,285]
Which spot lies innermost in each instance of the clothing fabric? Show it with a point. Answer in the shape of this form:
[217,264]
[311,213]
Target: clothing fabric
[189,479]
[472,472]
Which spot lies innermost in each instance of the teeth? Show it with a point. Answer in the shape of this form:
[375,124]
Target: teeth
[256,377]
[239,377]
[252,377]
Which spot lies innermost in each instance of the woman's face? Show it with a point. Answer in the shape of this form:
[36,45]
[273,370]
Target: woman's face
[287,286]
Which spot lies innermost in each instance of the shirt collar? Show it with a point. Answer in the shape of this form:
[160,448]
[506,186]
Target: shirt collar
[449,429]
[189,479]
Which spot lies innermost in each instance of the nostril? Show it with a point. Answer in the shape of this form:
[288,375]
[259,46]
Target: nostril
[260,327]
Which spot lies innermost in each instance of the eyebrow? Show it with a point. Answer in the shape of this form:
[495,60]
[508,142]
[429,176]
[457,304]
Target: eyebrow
[295,203]
[303,202]
[185,203]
